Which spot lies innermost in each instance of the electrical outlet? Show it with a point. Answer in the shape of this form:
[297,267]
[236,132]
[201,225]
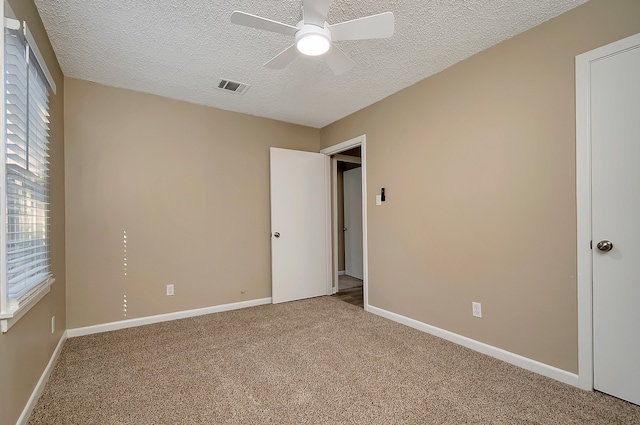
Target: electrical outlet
[170,289]
[53,324]
[476,309]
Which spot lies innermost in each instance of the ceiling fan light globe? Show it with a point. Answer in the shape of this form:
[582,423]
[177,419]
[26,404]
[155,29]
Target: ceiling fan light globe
[313,44]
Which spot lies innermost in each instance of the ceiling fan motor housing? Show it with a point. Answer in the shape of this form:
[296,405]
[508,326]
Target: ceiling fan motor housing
[313,40]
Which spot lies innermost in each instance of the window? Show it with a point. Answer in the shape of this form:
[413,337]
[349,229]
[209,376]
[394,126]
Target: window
[24,185]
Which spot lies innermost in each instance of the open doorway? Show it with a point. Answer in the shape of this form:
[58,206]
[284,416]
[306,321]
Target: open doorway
[348,175]
[349,205]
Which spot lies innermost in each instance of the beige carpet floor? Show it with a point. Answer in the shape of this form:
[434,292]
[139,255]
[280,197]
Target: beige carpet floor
[297,363]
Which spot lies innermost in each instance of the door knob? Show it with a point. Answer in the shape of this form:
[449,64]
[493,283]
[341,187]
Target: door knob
[276,234]
[604,246]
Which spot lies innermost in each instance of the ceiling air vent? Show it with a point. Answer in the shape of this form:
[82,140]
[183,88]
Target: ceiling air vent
[233,86]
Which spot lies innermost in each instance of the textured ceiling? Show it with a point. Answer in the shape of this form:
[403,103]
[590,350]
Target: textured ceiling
[180,48]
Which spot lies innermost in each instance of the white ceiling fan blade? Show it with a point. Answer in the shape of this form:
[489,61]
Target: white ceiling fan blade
[253,21]
[315,11]
[284,58]
[374,26]
[338,61]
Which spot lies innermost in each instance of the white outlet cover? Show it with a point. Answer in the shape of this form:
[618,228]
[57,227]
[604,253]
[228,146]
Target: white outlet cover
[169,289]
[476,309]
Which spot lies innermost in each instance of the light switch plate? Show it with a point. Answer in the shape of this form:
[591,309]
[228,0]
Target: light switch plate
[378,200]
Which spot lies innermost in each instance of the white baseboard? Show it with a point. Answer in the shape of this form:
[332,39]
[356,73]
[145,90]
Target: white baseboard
[37,391]
[498,353]
[342,272]
[132,323]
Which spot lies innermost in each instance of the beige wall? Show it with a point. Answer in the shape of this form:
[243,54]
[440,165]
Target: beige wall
[478,163]
[26,349]
[189,185]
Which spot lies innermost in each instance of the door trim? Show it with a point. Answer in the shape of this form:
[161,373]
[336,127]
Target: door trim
[332,150]
[583,203]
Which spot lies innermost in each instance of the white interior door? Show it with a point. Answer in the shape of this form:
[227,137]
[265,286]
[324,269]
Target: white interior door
[300,225]
[352,182]
[615,144]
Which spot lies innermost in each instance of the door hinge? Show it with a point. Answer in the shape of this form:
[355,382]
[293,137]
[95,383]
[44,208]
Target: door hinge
[590,244]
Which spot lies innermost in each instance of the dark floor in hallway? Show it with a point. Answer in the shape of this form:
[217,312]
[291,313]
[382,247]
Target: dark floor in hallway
[350,290]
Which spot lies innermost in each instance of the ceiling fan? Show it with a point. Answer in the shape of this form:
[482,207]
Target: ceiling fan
[315,37]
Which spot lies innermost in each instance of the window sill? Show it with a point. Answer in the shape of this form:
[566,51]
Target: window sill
[11,317]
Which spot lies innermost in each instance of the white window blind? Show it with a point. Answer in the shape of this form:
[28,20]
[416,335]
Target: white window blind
[26,166]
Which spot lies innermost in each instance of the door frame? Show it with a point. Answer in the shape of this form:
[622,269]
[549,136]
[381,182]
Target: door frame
[583,203]
[360,141]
